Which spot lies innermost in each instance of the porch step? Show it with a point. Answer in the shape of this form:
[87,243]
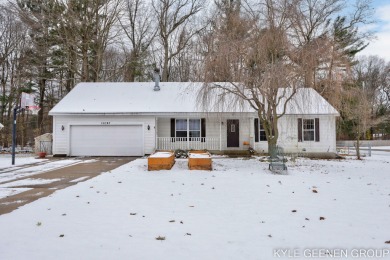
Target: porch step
[233,153]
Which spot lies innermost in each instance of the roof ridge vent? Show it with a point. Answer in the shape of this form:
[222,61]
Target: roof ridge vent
[156,79]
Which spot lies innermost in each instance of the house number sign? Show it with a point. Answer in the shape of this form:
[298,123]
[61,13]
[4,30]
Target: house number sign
[105,123]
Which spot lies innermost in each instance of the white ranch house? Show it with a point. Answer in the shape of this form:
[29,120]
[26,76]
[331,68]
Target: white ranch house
[130,119]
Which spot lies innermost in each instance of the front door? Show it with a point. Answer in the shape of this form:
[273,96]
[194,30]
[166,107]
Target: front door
[233,133]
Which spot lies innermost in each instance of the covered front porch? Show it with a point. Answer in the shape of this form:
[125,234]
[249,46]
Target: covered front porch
[193,143]
[230,131]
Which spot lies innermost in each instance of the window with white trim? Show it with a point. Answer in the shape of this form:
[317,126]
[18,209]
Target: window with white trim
[308,126]
[188,128]
[181,127]
[194,128]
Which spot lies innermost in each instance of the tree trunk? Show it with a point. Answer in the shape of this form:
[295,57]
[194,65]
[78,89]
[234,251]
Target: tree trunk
[272,146]
[358,145]
[42,87]
[165,73]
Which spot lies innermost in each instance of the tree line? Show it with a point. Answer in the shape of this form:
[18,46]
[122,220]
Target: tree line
[48,46]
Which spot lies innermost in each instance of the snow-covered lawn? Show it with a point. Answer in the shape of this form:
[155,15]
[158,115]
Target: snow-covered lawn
[238,211]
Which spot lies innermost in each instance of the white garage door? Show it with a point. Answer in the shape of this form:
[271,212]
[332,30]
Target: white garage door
[106,140]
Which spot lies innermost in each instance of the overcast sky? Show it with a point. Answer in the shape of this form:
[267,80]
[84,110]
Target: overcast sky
[381,45]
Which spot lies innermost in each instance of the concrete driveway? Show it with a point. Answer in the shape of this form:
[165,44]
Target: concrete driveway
[59,179]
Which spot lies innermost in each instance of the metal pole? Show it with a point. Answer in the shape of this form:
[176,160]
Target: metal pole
[14,136]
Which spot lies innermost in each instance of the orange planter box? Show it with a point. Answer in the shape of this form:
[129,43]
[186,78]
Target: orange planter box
[199,160]
[161,161]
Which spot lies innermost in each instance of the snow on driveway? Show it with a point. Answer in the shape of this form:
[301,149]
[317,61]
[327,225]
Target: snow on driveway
[5,161]
[23,170]
[238,211]
[7,192]
[25,166]
[28,182]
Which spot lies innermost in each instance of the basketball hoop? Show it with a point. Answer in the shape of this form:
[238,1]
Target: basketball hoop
[33,109]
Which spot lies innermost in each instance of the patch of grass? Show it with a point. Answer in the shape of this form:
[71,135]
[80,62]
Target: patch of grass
[160,238]
[39,224]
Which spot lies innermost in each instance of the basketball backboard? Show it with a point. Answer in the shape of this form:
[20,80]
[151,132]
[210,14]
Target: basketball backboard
[27,100]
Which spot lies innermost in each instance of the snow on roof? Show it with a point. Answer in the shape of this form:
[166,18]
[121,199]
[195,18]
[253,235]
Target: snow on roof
[307,101]
[174,97]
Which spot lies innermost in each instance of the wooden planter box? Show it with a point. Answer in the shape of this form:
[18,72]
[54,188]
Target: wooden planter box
[161,161]
[199,160]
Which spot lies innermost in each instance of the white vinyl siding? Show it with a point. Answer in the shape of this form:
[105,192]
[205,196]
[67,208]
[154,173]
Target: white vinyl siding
[215,127]
[288,135]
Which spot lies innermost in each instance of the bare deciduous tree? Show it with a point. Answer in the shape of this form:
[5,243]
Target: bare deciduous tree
[329,41]
[175,27]
[357,111]
[252,56]
[86,31]
[139,28]
[372,72]
[40,17]
[12,45]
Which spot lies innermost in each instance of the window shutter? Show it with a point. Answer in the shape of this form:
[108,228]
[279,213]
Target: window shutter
[299,129]
[203,129]
[256,130]
[173,129]
[317,129]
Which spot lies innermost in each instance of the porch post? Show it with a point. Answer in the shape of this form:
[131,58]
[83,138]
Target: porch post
[188,133]
[155,134]
[220,135]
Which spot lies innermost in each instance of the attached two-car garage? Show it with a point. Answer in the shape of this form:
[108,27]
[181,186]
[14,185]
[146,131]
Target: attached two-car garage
[106,140]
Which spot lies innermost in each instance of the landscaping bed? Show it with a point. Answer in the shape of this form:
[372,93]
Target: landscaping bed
[199,160]
[163,160]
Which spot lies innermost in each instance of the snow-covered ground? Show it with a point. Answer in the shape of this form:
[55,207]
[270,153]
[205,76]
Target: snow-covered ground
[26,165]
[20,159]
[6,192]
[22,168]
[28,181]
[238,211]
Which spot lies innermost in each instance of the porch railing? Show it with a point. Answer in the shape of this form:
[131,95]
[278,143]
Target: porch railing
[190,143]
